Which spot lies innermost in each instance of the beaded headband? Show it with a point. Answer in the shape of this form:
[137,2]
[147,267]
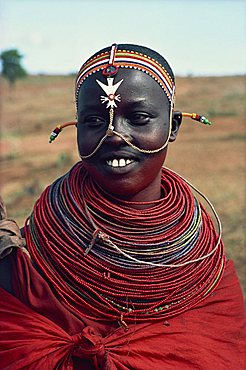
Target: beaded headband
[110,61]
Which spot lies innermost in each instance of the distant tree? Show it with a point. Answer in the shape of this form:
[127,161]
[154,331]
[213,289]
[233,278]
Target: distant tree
[11,65]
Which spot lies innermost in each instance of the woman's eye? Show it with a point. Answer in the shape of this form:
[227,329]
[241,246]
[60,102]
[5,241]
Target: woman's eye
[94,120]
[140,118]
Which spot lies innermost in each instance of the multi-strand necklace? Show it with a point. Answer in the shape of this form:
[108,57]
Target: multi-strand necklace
[109,261]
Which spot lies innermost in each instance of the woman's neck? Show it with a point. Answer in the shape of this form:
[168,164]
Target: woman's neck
[144,199]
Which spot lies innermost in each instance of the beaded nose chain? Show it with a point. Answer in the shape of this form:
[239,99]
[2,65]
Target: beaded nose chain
[109,63]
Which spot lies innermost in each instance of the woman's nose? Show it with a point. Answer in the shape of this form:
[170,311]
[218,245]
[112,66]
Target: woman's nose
[120,126]
[119,123]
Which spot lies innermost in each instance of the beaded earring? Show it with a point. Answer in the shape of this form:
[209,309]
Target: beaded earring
[58,129]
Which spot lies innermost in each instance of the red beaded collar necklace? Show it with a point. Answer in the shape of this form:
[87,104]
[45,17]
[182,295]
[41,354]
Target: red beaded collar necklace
[176,258]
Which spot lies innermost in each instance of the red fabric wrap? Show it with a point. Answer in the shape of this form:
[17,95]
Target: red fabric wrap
[38,332]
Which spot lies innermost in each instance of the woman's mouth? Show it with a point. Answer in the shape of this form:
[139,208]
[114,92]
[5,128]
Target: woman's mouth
[119,162]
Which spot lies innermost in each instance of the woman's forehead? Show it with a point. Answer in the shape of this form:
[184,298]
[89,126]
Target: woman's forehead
[128,84]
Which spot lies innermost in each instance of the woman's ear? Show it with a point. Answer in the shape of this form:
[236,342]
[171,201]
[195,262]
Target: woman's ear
[176,122]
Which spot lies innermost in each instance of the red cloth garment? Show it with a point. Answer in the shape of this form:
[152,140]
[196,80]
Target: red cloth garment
[38,332]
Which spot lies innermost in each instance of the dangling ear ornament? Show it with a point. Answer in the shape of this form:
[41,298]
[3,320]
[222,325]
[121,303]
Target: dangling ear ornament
[58,129]
[197,117]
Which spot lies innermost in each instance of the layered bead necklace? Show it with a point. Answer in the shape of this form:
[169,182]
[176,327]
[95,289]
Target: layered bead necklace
[112,262]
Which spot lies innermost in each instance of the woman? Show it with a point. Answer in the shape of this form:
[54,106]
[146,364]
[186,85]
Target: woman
[123,268]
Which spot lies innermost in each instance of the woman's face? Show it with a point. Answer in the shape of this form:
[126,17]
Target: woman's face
[142,116]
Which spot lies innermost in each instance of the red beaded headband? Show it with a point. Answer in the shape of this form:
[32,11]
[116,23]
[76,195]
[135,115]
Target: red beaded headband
[110,62]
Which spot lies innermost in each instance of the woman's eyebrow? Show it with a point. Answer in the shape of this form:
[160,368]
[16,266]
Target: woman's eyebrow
[142,104]
[91,107]
[138,102]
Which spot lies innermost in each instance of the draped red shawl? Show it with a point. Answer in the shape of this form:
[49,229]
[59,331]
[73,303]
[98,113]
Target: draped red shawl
[38,332]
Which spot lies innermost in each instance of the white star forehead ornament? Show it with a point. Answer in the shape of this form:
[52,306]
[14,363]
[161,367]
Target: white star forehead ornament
[110,91]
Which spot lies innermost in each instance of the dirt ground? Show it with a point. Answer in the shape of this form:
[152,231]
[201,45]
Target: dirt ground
[213,158]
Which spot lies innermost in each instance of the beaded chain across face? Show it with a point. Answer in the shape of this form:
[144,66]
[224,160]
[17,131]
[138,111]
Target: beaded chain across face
[109,63]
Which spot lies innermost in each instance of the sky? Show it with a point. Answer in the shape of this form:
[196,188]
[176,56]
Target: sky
[197,37]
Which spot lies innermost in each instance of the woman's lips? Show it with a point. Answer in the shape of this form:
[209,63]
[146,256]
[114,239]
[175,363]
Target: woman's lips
[116,161]
[119,162]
